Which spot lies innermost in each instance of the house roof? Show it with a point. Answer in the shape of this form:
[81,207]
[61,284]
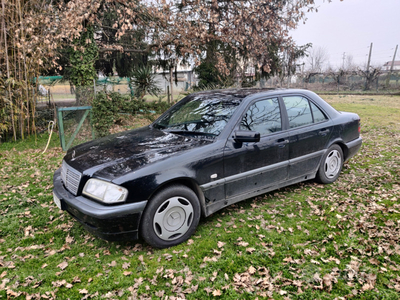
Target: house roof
[389,63]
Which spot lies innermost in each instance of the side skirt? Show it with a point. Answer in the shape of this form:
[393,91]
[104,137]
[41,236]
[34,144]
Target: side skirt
[213,207]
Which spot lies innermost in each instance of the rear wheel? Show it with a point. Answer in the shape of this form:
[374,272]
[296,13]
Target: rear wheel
[170,217]
[331,165]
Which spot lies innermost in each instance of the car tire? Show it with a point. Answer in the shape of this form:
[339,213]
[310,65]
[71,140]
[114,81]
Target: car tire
[170,217]
[331,165]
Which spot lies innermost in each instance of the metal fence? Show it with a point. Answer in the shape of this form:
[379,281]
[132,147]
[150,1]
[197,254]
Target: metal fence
[53,89]
[327,82]
[74,125]
[57,99]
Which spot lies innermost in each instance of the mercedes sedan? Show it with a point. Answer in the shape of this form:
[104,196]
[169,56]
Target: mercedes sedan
[208,151]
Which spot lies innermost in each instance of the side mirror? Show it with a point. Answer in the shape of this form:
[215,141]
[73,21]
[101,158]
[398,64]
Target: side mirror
[244,136]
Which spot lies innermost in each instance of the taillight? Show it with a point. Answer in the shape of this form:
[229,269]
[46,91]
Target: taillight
[359,126]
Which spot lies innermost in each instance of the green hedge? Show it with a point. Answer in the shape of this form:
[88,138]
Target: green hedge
[108,105]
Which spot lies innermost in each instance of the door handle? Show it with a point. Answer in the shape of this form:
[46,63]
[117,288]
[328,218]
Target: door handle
[323,132]
[282,142]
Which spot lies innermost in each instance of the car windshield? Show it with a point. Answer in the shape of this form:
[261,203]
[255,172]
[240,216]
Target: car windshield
[199,114]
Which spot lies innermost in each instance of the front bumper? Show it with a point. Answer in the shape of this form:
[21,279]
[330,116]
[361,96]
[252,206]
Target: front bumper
[112,223]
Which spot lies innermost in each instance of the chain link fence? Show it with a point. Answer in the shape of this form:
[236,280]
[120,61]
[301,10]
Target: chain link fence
[383,83]
[75,126]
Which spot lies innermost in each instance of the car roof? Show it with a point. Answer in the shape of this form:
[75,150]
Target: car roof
[230,94]
[250,94]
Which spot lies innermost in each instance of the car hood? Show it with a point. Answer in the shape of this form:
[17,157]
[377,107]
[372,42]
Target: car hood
[119,154]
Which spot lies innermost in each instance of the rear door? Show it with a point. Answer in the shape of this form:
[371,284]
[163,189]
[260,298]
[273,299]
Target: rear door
[309,133]
[249,167]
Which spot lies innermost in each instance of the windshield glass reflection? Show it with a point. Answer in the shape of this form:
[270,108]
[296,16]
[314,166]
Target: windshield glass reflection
[199,114]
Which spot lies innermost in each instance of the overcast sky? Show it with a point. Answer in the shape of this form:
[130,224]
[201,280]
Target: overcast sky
[350,26]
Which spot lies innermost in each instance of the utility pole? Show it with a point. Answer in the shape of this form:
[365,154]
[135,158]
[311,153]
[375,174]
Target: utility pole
[391,67]
[394,57]
[367,72]
[369,57]
[344,57]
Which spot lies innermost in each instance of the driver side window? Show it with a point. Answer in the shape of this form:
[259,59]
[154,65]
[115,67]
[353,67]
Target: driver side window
[263,116]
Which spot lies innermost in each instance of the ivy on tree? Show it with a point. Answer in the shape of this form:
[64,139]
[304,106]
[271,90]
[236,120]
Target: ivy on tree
[82,57]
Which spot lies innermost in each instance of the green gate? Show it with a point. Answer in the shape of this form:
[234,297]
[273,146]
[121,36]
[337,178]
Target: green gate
[74,125]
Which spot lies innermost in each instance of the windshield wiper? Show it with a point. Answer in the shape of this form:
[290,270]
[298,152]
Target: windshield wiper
[187,132]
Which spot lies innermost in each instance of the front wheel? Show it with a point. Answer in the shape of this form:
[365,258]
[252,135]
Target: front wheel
[170,217]
[331,165]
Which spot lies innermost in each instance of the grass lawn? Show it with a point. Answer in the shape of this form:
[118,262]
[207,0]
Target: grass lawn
[306,241]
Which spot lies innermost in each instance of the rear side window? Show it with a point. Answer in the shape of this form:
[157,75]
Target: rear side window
[318,115]
[298,110]
[263,116]
[302,112]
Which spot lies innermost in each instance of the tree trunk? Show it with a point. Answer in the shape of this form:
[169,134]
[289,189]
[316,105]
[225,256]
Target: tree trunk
[8,70]
[84,95]
[171,83]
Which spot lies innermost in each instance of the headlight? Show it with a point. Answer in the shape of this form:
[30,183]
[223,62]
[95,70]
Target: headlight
[105,191]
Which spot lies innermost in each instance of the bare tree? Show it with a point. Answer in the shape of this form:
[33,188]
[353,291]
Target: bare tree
[370,75]
[337,75]
[349,64]
[317,58]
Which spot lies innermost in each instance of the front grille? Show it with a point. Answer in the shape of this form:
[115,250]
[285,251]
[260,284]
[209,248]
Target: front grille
[70,178]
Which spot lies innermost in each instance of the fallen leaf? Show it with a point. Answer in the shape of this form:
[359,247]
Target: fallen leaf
[250,250]
[126,265]
[242,243]
[112,264]
[217,293]
[374,261]
[69,239]
[252,270]
[62,265]
[221,244]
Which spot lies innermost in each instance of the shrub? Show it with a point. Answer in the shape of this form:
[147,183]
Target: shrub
[107,106]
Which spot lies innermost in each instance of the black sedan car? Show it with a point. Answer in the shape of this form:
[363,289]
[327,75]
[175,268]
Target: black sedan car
[206,152]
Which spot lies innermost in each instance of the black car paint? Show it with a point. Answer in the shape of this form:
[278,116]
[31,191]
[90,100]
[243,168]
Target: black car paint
[121,158]
[108,222]
[221,171]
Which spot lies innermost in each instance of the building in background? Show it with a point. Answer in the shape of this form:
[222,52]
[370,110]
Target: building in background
[396,65]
